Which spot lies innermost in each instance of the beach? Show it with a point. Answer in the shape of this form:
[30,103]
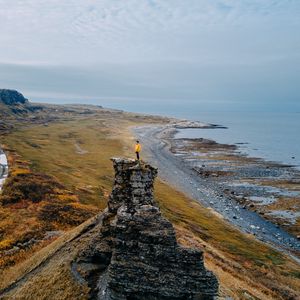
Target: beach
[215,175]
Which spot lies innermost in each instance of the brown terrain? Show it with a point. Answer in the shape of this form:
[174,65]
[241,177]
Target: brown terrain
[60,176]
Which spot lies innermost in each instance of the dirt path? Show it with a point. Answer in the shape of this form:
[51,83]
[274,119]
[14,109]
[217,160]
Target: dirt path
[205,190]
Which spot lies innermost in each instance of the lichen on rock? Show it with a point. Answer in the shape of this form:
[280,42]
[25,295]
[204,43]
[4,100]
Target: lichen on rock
[136,255]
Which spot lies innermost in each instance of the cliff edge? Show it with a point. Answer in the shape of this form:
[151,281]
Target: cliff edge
[12,97]
[128,252]
[12,103]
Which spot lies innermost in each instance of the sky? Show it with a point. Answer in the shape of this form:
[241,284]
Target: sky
[243,53]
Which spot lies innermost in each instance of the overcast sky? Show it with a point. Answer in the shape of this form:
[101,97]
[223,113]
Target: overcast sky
[210,51]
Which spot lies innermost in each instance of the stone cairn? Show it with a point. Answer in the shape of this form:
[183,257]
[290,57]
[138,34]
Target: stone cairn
[136,256]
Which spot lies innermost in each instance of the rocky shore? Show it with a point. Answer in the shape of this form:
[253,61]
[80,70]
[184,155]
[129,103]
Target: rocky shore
[267,188]
[214,174]
[186,124]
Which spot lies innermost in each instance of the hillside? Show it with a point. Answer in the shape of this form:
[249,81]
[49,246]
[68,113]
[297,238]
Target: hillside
[69,147]
[40,202]
[12,97]
[12,102]
[128,252]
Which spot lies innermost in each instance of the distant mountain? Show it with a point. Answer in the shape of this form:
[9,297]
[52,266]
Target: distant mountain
[14,105]
[12,97]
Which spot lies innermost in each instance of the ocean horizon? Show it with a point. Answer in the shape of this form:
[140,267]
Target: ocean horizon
[259,131]
[272,136]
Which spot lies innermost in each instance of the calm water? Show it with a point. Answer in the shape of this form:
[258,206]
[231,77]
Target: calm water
[271,135]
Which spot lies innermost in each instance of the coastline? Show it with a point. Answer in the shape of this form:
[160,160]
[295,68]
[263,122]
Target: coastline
[74,144]
[176,161]
[271,189]
[270,136]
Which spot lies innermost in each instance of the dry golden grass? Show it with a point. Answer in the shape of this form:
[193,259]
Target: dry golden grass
[258,269]
[60,175]
[14,274]
[55,153]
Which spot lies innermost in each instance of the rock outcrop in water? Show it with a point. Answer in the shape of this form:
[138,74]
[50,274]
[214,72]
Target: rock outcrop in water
[136,255]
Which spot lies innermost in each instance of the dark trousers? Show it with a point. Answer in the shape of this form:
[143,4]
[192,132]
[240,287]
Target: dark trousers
[137,155]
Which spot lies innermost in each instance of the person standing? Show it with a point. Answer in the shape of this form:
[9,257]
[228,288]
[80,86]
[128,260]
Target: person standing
[137,150]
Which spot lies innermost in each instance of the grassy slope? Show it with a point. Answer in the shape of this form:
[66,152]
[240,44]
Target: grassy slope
[244,266]
[56,150]
[74,150]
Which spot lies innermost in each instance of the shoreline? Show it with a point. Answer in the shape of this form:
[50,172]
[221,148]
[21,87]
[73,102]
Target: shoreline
[268,188]
[237,146]
[266,144]
[159,142]
[159,139]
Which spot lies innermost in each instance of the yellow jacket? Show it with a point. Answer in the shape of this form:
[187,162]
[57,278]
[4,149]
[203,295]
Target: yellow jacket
[137,148]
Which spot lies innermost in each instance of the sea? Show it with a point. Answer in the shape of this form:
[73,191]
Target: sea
[265,131]
[272,136]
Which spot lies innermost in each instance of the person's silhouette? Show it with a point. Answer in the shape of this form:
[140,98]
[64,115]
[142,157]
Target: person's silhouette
[137,150]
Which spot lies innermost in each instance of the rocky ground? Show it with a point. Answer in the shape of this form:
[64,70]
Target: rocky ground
[215,181]
[268,188]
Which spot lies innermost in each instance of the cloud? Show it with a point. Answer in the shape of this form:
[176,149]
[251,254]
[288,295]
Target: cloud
[133,30]
[145,47]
